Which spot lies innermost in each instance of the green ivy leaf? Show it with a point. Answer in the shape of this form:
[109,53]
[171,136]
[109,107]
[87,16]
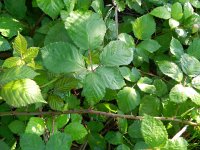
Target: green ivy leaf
[150,105]
[111,77]
[161,12]
[171,69]
[51,8]
[76,130]
[21,93]
[9,26]
[146,85]
[16,73]
[59,141]
[93,88]
[149,45]
[19,10]
[35,125]
[4,44]
[190,65]
[60,57]
[176,48]
[86,29]
[154,132]
[114,138]
[31,141]
[194,48]
[177,11]
[17,127]
[177,94]
[128,99]
[144,27]
[116,53]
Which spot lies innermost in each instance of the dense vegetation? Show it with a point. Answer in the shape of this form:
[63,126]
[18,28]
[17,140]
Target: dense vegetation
[83,74]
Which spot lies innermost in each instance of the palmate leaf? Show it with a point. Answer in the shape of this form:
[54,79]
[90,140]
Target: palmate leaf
[16,73]
[51,8]
[60,57]
[116,53]
[154,132]
[21,93]
[86,29]
[144,27]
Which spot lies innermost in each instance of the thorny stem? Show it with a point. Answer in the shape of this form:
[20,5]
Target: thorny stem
[89,111]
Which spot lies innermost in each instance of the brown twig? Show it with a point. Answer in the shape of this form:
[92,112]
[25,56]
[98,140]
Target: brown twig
[89,111]
[36,24]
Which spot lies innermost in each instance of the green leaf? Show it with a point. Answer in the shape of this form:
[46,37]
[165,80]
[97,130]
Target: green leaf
[96,141]
[4,146]
[134,130]
[95,126]
[20,44]
[86,29]
[130,75]
[59,141]
[114,138]
[194,48]
[122,123]
[13,62]
[177,11]
[144,27]
[9,26]
[76,130]
[31,142]
[62,120]
[30,54]
[196,82]
[19,10]
[111,77]
[171,69]
[150,105]
[128,99]
[98,6]
[116,53]
[188,10]
[146,85]
[51,8]
[128,39]
[161,87]
[60,57]
[16,73]
[55,102]
[154,132]
[173,23]
[4,44]
[177,94]
[35,125]
[17,127]
[122,147]
[93,88]
[141,146]
[193,95]
[176,144]
[149,45]
[190,65]
[21,93]
[161,12]
[195,3]
[57,33]
[176,48]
